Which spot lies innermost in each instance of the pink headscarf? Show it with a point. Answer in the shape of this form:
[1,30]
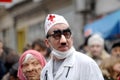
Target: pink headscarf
[36,54]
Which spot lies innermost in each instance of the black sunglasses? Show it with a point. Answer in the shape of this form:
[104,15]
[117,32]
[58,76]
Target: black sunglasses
[57,34]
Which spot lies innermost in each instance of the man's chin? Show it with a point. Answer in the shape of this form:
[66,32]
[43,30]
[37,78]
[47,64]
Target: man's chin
[33,78]
[63,49]
[95,55]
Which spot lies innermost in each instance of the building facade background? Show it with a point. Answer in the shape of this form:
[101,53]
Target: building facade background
[24,22]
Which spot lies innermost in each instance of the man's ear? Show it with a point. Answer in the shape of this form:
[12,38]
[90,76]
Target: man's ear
[47,43]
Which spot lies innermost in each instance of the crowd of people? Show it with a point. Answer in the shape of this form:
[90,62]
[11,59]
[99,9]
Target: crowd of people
[108,61]
[55,58]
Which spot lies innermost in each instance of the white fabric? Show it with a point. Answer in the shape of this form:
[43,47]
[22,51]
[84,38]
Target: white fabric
[95,39]
[62,55]
[53,19]
[28,56]
[81,67]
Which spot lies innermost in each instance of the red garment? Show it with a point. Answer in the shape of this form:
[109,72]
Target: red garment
[118,78]
[36,54]
[5,0]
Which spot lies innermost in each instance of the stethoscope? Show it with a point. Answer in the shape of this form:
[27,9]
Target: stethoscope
[46,73]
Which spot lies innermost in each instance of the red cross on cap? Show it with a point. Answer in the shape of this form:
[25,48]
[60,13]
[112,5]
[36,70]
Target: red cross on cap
[51,17]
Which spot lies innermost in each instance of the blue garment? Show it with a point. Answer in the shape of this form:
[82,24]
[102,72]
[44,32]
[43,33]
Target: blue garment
[2,70]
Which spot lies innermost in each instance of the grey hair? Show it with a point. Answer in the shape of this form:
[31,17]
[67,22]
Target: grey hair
[28,56]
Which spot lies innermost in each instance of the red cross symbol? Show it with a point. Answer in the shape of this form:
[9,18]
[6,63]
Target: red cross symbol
[51,17]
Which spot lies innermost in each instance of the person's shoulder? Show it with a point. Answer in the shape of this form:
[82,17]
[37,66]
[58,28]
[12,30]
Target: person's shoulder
[46,68]
[81,57]
[84,60]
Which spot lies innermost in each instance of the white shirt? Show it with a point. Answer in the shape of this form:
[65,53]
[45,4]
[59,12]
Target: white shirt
[78,66]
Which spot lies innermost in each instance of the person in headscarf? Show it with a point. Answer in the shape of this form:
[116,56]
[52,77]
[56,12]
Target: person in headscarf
[31,63]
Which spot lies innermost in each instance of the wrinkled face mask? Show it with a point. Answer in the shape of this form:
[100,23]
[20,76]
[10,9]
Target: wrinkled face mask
[31,69]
